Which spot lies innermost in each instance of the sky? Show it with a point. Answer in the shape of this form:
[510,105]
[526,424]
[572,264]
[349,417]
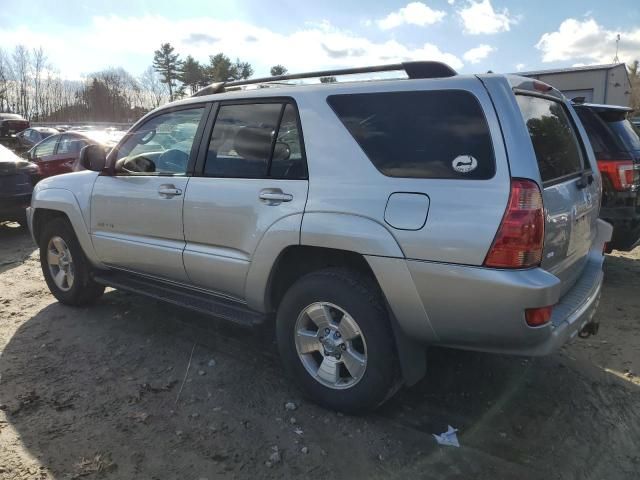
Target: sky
[81,37]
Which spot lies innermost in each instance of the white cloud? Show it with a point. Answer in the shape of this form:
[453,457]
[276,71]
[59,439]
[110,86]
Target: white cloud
[480,17]
[478,53]
[415,13]
[451,2]
[589,42]
[520,67]
[132,41]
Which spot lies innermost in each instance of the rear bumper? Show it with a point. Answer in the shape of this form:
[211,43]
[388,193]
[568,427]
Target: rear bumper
[482,309]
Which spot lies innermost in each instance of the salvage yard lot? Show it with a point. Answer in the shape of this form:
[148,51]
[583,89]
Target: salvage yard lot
[98,393]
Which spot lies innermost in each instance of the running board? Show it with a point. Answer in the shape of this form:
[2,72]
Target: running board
[182,296]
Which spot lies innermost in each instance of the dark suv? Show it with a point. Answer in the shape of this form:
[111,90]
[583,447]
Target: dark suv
[10,125]
[616,144]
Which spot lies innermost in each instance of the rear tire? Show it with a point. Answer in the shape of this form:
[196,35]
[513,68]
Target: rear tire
[336,342]
[64,265]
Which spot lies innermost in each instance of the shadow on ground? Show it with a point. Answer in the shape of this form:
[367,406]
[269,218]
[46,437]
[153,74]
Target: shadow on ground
[93,392]
[15,245]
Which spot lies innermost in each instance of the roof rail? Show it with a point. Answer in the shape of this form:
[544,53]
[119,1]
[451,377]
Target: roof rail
[413,70]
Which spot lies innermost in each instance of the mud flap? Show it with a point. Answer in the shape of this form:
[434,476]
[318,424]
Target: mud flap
[411,354]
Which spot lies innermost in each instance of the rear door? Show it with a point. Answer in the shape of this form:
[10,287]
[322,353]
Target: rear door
[252,174]
[570,187]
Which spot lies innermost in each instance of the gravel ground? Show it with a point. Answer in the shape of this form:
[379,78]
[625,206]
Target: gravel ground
[96,393]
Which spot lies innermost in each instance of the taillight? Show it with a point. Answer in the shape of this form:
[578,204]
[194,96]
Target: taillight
[520,237]
[622,173]
[537,316]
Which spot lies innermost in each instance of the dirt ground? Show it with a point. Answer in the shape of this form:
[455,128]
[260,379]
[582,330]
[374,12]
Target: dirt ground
[95,393]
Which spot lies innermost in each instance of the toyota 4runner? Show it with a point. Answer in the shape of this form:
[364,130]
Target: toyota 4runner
[368,219]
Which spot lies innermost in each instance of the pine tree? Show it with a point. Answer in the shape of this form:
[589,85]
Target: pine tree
[222,69]
[168,65]
[192,74]
[277,70]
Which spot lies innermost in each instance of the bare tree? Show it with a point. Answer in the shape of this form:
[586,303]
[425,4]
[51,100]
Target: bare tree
[157,91]
[634,78]
[38,64]
[22,71]
[5,77]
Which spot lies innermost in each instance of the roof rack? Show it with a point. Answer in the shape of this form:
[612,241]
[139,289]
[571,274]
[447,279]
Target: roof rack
[413,70]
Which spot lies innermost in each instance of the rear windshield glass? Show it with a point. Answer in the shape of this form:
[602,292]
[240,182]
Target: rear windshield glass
[601,137]
[552,136]
[424,134]
[627,133]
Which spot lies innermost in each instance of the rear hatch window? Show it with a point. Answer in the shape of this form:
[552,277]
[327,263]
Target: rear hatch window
[420,134]
[571,204]
[605,143]
[553,138]
[623,128]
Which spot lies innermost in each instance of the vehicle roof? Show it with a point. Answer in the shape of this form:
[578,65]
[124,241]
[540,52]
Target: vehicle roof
[11,116]
[397,83]
[107,138]
[603,107]
[44,129]
[7,155]
[585,68]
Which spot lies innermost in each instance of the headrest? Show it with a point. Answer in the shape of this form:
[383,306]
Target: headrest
[253,143]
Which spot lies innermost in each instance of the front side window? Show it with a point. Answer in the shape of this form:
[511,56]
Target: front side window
[162,145]
[553,137]
[45,148]
[420,134]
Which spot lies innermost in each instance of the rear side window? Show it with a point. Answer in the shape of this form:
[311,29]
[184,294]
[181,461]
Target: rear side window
[256,141]
[420,134]
[552,135]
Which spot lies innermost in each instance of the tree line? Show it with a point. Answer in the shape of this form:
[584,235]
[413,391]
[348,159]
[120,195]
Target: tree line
[186,77]
[31,86]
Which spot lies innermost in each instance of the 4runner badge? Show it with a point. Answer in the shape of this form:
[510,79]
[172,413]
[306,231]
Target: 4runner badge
[464,163]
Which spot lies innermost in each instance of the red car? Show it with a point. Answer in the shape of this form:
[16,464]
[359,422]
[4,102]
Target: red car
[60,153]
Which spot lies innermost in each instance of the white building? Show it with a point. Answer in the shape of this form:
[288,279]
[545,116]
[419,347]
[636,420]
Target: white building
[607,84]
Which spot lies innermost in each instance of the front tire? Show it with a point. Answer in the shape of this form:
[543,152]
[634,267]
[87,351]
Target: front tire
[336,341]
[65,267]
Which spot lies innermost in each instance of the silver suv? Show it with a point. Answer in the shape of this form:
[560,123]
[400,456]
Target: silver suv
[366,218]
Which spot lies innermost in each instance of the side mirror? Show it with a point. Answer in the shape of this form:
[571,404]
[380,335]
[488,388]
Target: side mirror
[93,157]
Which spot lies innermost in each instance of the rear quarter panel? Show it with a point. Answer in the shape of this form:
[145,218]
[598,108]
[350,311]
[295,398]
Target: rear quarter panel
[463,216]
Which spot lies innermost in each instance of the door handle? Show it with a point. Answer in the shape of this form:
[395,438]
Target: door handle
[169,191]
[274,196]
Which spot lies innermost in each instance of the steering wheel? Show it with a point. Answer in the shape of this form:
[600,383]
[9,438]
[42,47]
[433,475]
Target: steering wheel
[173,160]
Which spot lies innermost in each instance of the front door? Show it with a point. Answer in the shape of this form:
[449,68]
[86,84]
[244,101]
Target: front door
[136,214]
[66,153]
[254,175]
